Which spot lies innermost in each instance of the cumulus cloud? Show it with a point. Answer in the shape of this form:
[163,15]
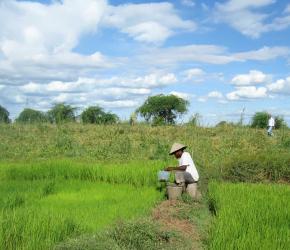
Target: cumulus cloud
[114,92]
[141,22]
[214,95]
[248,18]
[252,78]
[47,28]
[36,40]
[249,92]
[281,86]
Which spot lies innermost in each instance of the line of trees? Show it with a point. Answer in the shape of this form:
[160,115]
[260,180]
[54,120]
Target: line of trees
[61,113]
[156,110]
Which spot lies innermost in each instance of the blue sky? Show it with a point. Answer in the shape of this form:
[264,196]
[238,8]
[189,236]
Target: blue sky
[222,56]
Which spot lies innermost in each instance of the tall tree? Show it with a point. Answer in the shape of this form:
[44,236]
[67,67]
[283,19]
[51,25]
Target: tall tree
[4,115]
[31,116]
[163,109]
[61,113]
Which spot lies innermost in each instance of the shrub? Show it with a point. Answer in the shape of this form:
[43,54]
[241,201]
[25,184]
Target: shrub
[260,120]
[4,115]
[31,116]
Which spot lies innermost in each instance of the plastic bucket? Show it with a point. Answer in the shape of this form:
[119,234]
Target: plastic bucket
[173,191]
[163,175]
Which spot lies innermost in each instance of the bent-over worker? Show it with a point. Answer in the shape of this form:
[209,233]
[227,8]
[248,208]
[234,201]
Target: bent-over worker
[186,163]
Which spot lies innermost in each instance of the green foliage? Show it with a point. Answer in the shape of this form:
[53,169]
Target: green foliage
[162,109]
[96,115]
[4,115]
[224,124]
[257,168]
[31,116]
[61,112]
[280,122]
[260,120]
[250,216]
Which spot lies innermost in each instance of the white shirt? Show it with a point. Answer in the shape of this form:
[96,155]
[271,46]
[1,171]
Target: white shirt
[186,159]
[271,122]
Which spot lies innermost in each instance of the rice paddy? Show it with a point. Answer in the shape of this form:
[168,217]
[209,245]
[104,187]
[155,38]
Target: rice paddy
[37,214]
[62,183]
[250,216]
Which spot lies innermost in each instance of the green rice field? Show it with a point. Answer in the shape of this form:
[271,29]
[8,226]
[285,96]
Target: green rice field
[42,204]
[250,216]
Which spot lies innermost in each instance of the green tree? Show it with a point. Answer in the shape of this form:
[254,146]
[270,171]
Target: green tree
[279,122]
[31,116]
[4,115]
[97,115]
[260,120]
[163,109]
[61,113]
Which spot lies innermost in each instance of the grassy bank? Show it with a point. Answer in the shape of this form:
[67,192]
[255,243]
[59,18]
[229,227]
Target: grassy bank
[224,152]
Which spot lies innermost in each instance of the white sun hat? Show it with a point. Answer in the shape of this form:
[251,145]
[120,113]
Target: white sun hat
[176,146]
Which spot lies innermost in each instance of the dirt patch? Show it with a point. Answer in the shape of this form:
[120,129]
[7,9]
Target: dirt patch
[169,215]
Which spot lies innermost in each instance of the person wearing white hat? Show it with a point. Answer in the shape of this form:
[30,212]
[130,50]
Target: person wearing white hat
[186,163]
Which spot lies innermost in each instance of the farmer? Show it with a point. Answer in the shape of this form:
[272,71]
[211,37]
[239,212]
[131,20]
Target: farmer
[186,164]
[271,125]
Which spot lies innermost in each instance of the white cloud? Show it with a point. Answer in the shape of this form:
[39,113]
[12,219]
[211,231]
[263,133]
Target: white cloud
[212,54]
[217,95]
[36,40]
[249,92]
[141,21]
[252,78]
[182,95]
[194,74]
[114,92]
[247,17]
[263,54]
[51,28]
[119,104]
[281,86]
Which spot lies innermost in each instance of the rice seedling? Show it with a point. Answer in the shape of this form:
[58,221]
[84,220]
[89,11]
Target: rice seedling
[250,216]
[75,207]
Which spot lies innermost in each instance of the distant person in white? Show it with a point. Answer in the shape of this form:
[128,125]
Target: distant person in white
[186,163]
[271,125]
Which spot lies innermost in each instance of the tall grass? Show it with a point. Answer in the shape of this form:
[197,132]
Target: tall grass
[250,216]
